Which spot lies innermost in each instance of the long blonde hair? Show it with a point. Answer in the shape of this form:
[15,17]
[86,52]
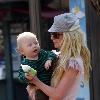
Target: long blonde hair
[73,45]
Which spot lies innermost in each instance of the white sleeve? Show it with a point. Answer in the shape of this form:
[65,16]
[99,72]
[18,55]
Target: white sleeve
[76,63]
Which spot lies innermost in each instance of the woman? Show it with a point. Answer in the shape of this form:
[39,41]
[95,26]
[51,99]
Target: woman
[73,63]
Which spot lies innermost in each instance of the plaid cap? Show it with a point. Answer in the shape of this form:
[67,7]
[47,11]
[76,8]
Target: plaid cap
[64,23]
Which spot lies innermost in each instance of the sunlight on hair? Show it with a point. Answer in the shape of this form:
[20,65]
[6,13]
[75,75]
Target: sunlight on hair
[73,46]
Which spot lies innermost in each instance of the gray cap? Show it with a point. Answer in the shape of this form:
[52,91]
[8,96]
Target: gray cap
[64,23]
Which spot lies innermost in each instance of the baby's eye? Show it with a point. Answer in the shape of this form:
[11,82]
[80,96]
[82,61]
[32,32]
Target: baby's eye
[30,44]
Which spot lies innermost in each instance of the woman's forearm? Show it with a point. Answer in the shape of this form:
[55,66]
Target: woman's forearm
[48,90]
[68,80]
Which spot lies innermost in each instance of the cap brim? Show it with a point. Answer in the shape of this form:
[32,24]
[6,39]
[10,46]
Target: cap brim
[56,29]
[52,29]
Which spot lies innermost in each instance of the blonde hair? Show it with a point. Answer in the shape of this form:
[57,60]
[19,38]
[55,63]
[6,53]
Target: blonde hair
[22,37]
[73,45]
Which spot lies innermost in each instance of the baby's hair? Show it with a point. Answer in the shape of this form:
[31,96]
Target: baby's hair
[22,36]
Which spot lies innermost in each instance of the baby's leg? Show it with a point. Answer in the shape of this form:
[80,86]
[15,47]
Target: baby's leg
[33,94]
[31,91]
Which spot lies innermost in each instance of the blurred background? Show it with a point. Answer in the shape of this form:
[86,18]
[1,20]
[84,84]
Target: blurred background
[17,16]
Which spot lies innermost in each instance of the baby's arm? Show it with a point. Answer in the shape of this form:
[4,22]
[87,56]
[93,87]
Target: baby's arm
[25,69]
[48,64]
[21,76]
[52,57]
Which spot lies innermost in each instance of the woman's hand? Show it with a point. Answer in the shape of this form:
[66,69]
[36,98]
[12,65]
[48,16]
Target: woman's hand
[29,76]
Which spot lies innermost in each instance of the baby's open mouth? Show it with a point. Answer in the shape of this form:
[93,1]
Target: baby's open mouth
[35,50]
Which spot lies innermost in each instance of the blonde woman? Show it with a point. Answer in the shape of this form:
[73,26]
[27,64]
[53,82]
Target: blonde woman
[73,63]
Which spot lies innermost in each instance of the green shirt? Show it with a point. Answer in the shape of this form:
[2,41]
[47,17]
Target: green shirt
[43,74]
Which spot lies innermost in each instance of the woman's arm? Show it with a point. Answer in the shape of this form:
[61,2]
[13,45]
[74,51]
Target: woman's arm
[63,87]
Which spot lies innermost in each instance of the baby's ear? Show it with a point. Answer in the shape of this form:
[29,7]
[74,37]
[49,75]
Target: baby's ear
[20,51]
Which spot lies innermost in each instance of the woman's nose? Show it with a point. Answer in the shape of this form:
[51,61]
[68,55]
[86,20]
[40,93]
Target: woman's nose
[51,37]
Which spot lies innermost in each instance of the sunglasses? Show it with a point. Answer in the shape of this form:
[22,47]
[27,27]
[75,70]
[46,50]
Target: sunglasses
[56,35]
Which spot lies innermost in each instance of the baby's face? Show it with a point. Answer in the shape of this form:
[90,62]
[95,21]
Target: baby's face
[30,47]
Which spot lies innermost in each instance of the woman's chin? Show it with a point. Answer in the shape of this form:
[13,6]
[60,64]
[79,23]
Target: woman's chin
[56,46]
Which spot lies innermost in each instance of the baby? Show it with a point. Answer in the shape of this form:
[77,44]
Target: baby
[38,59]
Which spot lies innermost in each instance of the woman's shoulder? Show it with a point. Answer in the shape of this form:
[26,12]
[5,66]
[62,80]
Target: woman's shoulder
[76,63]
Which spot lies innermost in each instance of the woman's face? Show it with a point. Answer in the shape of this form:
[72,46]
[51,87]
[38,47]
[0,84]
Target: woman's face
[57,39]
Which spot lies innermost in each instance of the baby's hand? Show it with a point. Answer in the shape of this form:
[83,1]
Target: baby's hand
[48,64]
